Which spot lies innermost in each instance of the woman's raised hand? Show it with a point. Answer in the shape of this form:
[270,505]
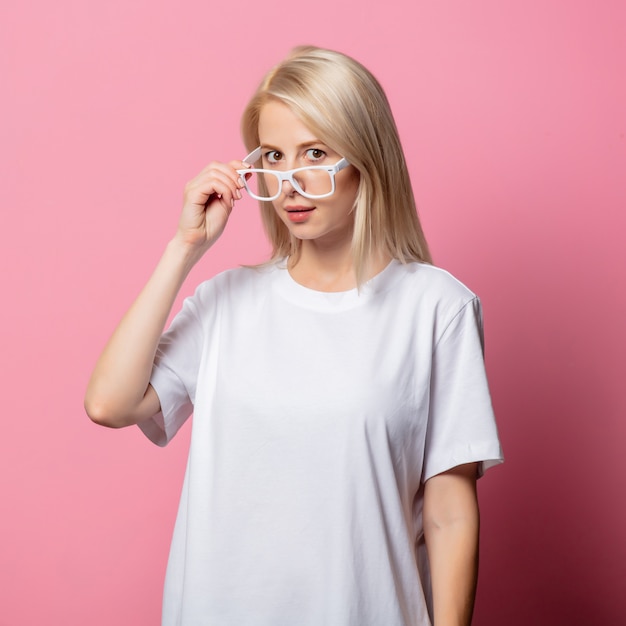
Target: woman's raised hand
[208,201]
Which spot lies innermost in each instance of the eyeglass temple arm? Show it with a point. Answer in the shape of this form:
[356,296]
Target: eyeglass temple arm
[343,163]
[253,157]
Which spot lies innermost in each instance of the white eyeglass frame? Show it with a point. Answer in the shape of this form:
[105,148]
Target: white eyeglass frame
[288,175]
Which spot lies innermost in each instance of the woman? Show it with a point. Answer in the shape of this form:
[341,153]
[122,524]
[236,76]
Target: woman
[341,410]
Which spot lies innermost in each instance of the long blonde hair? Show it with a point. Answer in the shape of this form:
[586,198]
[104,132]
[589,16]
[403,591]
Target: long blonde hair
[342,103]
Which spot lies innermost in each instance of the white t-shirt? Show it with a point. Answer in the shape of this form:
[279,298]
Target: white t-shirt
[317,418]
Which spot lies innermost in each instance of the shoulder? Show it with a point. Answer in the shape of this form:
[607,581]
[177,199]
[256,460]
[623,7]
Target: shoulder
[241,282]
[432,297]
[432,284]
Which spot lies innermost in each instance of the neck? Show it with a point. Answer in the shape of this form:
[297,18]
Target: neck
[330,269]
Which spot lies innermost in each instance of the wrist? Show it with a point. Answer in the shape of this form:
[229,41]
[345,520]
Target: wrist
[183,254]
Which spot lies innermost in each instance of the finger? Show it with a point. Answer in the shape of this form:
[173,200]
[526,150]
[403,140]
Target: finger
[227,180]
[241,165]
[229,169]
[213,181]
[200,199]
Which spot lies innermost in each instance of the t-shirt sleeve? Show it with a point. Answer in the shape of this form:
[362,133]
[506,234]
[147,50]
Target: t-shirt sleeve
[175,373]
[461,426]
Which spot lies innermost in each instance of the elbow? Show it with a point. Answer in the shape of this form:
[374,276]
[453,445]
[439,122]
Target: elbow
[102,414]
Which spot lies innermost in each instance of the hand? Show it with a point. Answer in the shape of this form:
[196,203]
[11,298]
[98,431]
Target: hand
[208,201]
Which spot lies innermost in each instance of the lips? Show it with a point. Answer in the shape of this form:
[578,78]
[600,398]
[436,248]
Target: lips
[298,213]
[299,209]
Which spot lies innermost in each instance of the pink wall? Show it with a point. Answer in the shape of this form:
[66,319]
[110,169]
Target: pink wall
[513,116]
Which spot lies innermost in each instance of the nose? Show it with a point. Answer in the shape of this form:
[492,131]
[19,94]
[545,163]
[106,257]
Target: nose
[287,188]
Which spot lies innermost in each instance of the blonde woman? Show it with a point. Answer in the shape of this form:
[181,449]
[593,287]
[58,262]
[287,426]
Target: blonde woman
[341,410]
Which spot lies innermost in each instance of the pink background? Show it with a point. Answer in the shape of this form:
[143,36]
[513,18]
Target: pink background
[513,116]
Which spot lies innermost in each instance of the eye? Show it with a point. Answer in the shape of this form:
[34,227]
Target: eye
[273,156]
[315,154]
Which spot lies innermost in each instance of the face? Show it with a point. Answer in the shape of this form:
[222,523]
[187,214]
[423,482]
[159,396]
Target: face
[286,144]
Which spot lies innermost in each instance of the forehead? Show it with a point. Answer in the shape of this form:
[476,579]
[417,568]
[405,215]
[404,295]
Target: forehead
[280,127]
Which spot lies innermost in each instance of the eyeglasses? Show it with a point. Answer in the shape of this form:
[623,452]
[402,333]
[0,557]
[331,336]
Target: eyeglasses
[316,181]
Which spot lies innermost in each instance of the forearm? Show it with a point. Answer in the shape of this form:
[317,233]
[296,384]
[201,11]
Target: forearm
[453,556]
[116,394]
[451,530]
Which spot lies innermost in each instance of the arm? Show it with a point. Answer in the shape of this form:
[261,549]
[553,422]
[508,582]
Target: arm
[119,392]
[451,529]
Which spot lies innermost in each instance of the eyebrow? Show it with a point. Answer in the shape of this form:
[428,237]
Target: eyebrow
[300,146]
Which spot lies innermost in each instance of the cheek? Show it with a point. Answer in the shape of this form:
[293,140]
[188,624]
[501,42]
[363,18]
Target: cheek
[350,192]
[350,186]
[279,213]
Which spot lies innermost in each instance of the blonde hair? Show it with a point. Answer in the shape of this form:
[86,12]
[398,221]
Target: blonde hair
[342,103]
